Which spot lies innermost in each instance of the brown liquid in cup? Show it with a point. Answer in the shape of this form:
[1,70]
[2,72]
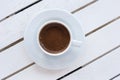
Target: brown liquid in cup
[54,38]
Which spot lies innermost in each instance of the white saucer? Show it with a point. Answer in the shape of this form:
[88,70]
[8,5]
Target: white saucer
[33,50]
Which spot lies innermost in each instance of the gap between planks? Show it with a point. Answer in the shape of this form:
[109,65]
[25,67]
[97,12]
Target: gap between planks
[89,62]
[115,77]
[18,71]
[100,27]
[12,14]
[87,34]
[21,39]
[12,44]
[73,70]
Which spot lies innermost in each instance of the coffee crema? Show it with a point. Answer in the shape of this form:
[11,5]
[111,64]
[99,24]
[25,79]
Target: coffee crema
[54,37]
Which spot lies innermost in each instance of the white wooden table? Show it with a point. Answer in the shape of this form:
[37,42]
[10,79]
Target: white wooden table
[100,21]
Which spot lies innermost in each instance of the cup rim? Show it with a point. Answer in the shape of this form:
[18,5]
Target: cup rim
[42,26]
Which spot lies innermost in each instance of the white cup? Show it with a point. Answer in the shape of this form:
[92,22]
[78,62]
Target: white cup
[72,42]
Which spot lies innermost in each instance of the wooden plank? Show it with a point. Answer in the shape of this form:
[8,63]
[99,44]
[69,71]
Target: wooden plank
[96,44]
[8,7]
[68,5]
[10,60]
[13,30]
[98,13]
[17,24]
[117,78]
[102,69]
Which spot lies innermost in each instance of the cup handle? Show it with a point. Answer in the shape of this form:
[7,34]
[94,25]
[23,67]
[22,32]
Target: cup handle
[76,43]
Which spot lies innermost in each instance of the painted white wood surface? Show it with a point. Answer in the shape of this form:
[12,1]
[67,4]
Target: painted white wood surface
[7,6]
[96,44]
[13,59]
[117,78]
[90,18]
[99,13]
[17,23]
[102,69]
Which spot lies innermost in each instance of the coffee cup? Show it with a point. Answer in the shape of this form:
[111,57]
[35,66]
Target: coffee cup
[54,38]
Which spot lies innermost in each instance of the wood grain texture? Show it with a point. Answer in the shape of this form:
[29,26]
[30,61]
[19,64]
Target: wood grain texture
[16,24]
[102,69]
[116,77]
[9,31]
[8,7]
[90,18]
[96,44]
[99,13]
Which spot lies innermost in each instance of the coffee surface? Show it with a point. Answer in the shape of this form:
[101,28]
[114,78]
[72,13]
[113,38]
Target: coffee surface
[54,38]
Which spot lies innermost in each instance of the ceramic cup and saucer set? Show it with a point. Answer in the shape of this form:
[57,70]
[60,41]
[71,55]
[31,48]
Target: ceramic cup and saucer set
[53,39]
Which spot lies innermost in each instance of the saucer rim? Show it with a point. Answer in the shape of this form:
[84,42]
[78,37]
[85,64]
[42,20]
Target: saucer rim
[25,34]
